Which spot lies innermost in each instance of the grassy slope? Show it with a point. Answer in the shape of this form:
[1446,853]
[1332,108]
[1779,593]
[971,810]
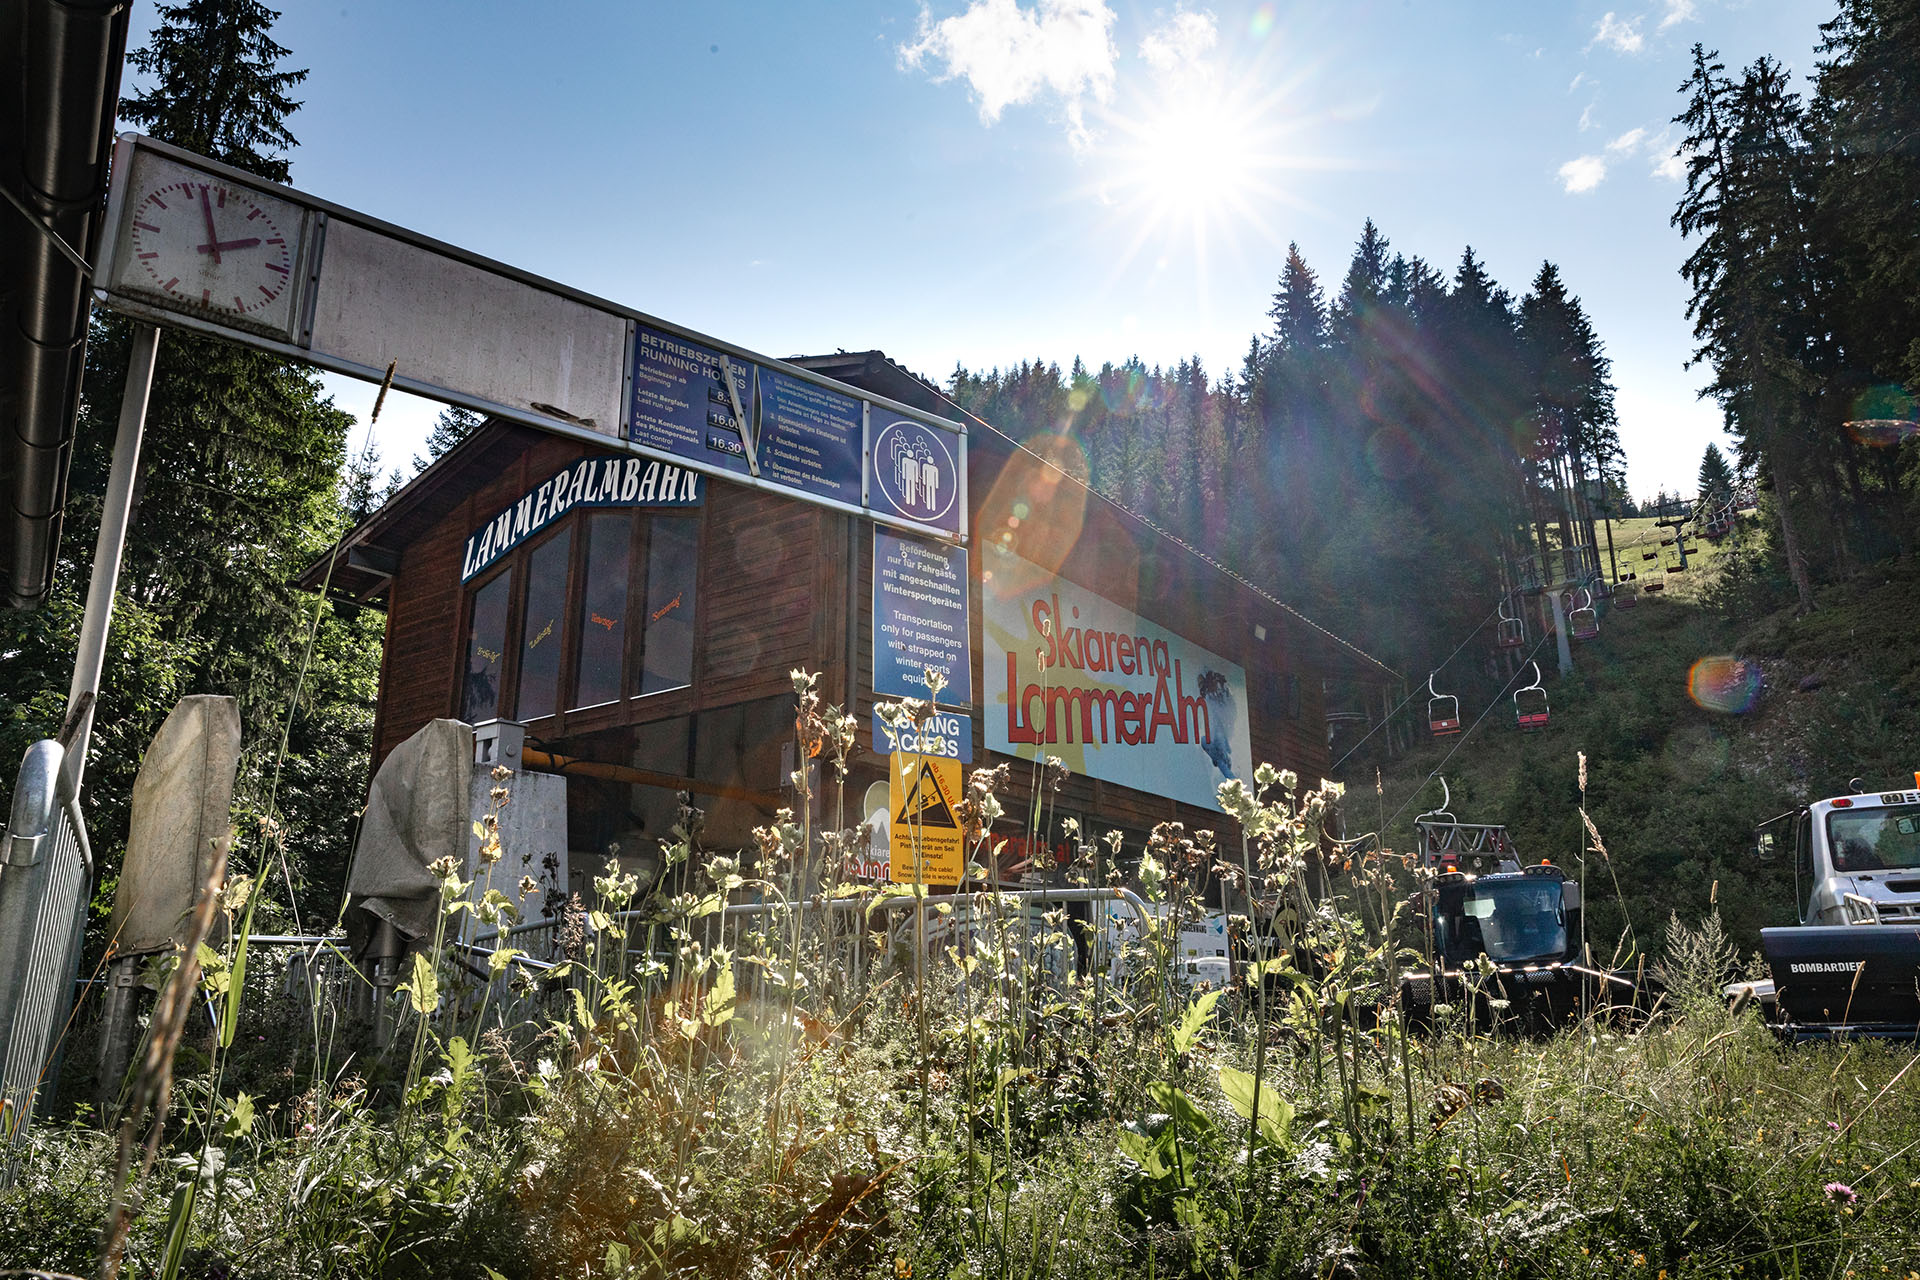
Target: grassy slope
[1675,788]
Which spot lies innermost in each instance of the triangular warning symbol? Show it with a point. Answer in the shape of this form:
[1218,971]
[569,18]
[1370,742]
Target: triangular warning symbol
[927,801]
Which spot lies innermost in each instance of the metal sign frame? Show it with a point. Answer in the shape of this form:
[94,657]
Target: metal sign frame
[322,215]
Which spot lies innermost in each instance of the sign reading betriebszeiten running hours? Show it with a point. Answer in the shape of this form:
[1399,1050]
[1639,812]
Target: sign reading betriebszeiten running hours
[920,618]
[680,403]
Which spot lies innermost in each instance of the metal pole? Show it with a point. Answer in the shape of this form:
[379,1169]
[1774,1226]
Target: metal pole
[1611,562]
[1560,634]
[115,512]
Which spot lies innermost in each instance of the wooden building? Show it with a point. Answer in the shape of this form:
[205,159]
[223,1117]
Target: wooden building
[646,639]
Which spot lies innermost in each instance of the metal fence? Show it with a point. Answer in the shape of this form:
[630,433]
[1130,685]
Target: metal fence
[46,872]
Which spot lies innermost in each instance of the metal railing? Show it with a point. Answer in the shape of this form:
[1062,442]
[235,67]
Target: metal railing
[46,874]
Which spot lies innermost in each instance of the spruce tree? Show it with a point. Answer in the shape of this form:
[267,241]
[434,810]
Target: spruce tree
[1754,303]
[452,426]
[1716,479]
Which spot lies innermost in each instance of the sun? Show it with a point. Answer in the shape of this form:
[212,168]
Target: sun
[1192,158]
[1205,161]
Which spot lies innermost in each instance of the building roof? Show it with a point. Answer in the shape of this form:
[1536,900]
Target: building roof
[363,562]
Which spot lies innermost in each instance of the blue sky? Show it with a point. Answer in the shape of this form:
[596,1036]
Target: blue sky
[985,181]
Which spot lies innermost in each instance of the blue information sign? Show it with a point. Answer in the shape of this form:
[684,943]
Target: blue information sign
[920,618]
[810,437]
[947,735]
[681,406]
[916,471]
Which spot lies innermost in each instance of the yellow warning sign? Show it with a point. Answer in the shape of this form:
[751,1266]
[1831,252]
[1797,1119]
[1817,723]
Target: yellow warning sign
[923,811]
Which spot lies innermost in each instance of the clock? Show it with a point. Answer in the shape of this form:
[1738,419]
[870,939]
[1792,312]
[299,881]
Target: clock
[210,246]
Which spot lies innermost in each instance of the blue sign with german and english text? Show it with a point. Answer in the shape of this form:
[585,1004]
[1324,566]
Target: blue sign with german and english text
[920,594]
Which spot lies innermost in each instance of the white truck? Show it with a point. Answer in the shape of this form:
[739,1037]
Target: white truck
[1851,967]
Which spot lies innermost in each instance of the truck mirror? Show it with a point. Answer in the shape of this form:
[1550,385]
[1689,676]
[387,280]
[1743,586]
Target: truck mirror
[1763,846]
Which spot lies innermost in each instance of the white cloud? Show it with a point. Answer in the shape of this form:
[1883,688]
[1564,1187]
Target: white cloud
[1586,117]
[1578,80]
[1626,142]
[1679,11]
[1182,44]
[1010,55]
[1672,166]
[1583,174]
[1620,34]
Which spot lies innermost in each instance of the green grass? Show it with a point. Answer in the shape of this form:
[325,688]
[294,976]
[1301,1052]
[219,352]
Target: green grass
[772,1112]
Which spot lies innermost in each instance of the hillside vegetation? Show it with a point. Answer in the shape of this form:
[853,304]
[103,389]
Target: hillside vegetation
[1674,786]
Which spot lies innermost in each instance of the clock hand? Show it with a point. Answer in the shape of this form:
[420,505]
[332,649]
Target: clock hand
[213,237]
[216,247]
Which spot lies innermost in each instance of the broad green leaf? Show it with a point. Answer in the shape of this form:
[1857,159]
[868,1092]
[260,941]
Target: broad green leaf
[459,1062]
[502,958]
[423,993]
[1276,1114]
[1194,1021]
[1143,1150]
[719,1007]
[239,1117]
[618,1256]
[1182,1108]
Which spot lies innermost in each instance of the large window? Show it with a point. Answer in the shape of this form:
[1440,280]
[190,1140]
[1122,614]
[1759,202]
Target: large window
[599,610]
[667,654]
[486,649]
[603,608]
[543,633]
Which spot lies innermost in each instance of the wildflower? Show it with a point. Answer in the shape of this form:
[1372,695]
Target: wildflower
[1840,1193]
[528,886]
[902,1269]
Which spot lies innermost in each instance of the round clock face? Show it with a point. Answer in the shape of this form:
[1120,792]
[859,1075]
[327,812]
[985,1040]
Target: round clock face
[213,246]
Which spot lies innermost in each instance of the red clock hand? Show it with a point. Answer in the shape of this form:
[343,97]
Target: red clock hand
[213,237]
[217,246]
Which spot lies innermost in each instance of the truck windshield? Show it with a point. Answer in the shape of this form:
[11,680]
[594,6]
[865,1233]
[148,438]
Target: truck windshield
[1874,839]
[1509,920]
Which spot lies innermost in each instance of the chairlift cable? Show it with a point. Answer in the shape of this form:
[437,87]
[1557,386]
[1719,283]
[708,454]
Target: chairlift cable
[1498,698]
[1477,628]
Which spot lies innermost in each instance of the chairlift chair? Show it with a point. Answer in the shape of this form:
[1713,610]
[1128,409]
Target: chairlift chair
[1677,567]
[1584,623]
[1530,705]
[1509,633]
[1443,712]
[1649,555]
[1654,588]
[1626,595]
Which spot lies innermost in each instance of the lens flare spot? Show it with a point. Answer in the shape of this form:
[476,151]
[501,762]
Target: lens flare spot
[1260,26]
[1020,511]
[1726,684]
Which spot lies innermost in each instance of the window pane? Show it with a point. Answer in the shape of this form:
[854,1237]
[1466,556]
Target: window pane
[667,635]
[486,643]
[603,608]
[545,625]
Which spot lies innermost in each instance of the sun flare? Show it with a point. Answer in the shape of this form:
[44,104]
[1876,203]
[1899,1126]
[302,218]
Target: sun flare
[1196,155]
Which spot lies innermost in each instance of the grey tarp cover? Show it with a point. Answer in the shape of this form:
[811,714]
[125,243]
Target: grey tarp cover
[418,812]
[181,804]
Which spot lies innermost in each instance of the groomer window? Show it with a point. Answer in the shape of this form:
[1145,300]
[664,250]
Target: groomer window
[599,608]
